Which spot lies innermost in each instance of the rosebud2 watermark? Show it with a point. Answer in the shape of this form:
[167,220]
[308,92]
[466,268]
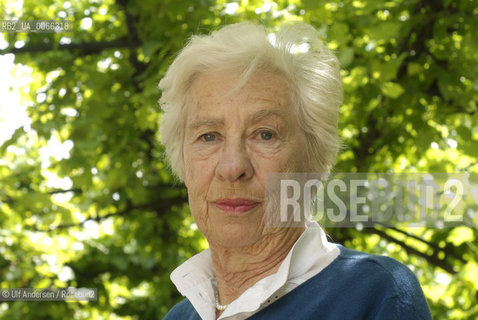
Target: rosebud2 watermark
[40,26]
[49,294]
[393,199]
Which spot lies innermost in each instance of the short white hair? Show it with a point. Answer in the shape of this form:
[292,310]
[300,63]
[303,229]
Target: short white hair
[311,70]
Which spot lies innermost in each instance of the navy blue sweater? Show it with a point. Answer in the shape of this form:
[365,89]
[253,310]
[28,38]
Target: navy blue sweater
[354,286]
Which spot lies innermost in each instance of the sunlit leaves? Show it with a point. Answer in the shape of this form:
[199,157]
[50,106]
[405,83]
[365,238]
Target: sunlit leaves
[392,90]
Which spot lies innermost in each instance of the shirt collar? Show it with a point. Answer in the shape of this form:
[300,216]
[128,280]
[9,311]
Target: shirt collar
[195,278]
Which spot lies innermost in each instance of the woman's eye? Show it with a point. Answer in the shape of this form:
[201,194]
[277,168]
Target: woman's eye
[208,137]
[266,135]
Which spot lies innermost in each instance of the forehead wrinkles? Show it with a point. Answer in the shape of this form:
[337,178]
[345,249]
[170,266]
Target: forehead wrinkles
[210,92]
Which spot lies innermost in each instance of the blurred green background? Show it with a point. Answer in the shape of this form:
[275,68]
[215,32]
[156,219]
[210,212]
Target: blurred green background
[85,196]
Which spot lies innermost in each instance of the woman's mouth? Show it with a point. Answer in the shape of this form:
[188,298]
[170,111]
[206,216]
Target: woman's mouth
[236,206]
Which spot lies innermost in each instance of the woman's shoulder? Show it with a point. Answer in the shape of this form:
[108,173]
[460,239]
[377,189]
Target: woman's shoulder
[382,267]
[375,278]
[184,310]
[357,285]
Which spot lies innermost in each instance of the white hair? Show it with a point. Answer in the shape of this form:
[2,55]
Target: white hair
[311,70]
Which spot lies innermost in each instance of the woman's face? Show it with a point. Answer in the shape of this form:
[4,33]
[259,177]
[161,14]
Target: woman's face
[233,138]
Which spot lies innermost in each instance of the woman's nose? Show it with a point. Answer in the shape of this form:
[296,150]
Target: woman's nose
[234,162]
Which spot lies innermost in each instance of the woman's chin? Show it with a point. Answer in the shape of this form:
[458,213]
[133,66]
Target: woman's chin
[235,236]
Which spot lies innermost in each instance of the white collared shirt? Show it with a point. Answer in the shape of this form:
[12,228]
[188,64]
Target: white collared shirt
[195,278]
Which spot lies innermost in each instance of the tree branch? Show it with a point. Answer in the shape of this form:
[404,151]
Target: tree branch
[74,190]
[433,259]
[428,243]
[165,204]
[84,48]
[134,42]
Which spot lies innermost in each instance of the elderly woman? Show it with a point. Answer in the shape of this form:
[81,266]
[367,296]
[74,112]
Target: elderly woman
[238,104]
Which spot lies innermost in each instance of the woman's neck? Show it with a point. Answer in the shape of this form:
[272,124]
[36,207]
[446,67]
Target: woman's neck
[237,269]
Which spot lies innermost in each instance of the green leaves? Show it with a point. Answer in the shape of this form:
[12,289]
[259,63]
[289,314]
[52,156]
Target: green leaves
[339,33]
[384,31]
[392,90]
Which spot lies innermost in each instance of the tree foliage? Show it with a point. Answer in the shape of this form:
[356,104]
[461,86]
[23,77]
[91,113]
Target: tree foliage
[108,215]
